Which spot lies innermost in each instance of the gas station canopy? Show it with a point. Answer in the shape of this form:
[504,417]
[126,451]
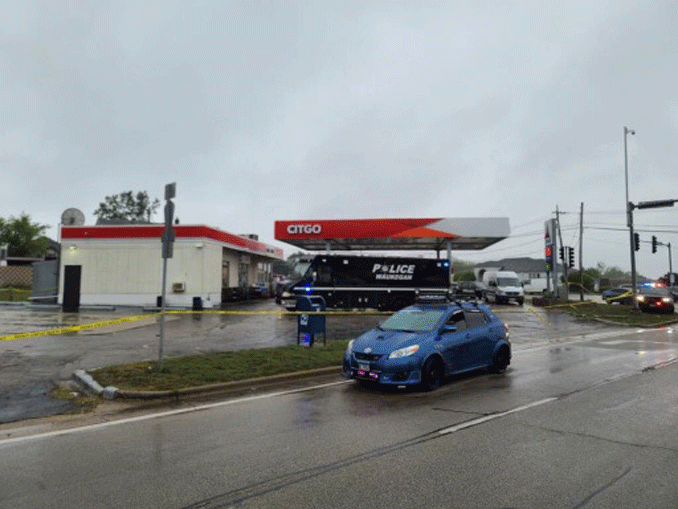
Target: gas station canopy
[468,233]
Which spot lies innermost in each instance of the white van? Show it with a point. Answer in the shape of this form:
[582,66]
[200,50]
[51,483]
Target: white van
[502,287]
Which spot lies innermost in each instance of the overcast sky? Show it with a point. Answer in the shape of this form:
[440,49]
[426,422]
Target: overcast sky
[262,111]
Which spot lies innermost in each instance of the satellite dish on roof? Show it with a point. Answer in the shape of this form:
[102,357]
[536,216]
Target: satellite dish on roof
[73,217]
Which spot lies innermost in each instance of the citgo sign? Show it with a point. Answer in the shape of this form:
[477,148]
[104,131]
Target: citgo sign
[295,229]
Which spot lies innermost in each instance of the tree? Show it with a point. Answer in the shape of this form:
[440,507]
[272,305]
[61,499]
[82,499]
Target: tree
[127,207]
[23,237]
[587,281]
[467,275]
[460,266]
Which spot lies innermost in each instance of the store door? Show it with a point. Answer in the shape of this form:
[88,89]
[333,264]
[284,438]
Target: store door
[71,302]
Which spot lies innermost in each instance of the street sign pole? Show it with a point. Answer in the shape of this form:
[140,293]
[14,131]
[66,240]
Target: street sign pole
[167,238]
[162,313]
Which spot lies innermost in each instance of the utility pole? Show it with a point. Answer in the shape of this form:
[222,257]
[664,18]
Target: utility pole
[560,238]
[670,267]
[581,249]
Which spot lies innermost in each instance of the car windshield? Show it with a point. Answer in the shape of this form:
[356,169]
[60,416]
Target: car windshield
[649,290]
[507,281]
[415,320]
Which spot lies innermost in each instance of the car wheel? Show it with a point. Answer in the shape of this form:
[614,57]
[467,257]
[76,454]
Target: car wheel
[431,374]
[520,302]
[500,360]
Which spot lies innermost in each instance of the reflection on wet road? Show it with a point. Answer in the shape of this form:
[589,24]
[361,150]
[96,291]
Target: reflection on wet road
[28,367]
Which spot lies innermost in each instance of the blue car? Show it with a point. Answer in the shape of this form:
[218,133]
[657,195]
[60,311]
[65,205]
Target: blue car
[423,343]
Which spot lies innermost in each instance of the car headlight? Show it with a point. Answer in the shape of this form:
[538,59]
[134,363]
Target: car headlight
[640,298]
[349,348]
[404,352]
[286,295]
[666,299]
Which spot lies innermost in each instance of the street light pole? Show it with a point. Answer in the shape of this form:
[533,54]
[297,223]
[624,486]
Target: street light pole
[629,214]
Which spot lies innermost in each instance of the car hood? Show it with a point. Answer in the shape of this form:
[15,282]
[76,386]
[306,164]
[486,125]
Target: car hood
[382,342]
[510,288]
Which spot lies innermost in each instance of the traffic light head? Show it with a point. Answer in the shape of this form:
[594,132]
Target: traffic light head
[570,253]
[636,241]
[654,244]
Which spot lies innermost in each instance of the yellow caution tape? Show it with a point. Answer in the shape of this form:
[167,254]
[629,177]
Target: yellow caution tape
[569,304]
[531,309]
[74,328]
[280,313]
[619,297]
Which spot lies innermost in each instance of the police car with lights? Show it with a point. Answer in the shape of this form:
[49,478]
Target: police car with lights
[423,343]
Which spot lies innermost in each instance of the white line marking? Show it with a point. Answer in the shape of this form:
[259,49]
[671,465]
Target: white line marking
[480,420]
[93,427]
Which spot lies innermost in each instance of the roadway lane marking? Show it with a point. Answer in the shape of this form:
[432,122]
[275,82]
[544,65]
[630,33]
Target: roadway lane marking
[208,406]
[486,418]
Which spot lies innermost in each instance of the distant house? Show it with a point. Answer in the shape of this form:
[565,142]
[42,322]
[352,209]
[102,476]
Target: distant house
[531,272]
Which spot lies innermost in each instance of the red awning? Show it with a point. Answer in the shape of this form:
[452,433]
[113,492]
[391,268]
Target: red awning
[182,231]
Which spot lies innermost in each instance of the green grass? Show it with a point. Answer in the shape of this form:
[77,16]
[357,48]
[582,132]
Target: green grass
[81,403]
[619,313]
[11,294]
[217,367]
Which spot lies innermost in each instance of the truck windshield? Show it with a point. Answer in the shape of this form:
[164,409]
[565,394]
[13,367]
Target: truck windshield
[507,281]
[301,268]
[415,320]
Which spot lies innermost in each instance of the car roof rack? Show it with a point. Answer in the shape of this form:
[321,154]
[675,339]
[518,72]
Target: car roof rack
[432,297]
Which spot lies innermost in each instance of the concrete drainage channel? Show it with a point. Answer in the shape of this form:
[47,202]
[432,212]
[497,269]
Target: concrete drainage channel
[91,386]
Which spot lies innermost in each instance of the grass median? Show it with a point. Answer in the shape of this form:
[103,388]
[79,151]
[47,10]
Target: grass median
[620,314]
[219,367]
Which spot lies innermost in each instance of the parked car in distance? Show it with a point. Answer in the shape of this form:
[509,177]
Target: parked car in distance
[655,298]
[259,290]
[469,289]
[620,295]
[423,343]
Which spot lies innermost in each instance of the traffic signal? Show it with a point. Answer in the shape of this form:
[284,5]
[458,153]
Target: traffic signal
[561,253]
[636,241]
[570,254]
[654,244]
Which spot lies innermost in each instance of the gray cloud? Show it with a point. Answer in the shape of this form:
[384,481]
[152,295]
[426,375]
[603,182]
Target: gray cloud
[281,110]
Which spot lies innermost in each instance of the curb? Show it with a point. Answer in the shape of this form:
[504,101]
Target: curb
[640,326]
[90,385]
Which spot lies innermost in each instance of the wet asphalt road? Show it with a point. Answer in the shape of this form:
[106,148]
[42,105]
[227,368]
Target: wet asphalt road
[29,367]
[585,421]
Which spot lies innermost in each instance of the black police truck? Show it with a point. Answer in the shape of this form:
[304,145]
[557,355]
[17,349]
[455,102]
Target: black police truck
[384,283]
